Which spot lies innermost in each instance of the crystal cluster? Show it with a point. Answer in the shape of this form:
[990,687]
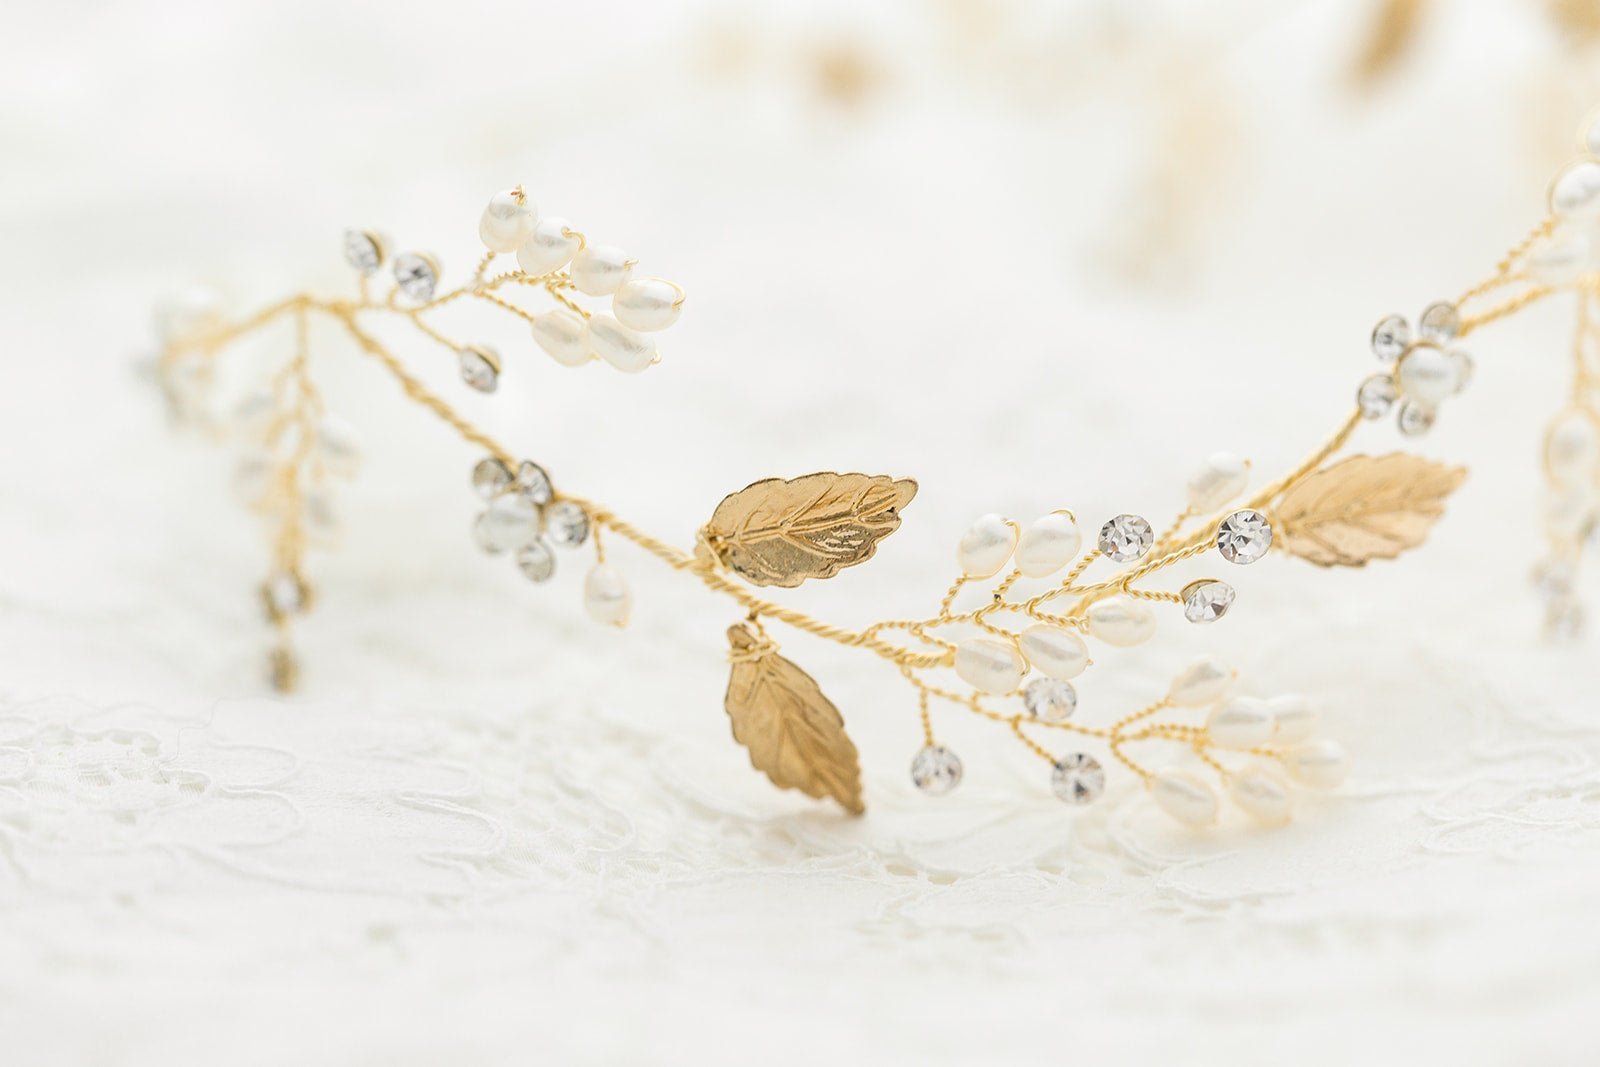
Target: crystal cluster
[521,516]
[1427,370]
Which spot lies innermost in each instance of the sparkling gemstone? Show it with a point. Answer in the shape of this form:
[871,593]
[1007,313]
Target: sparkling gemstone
[1376,396]
[490,478]
[1206,601]
[1463,366]
[1244,537]
[1126,537]
[936,770]
[417,275]
[1415,419]
[537,561]
[533,482]
[284,595]
[1078,778]
[1390,338]
[363,251]
[567,524]
[480,368]
[511,521]
[1050,700]
[1440,322]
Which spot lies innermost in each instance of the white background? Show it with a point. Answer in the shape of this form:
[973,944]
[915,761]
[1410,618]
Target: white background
[486,832]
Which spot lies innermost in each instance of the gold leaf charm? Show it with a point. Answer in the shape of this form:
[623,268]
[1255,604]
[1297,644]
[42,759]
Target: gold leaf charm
[1364,508]
[794,733]
[781,532]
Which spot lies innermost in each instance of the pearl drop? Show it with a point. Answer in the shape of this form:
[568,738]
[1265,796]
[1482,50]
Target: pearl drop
[1559,259]
[1201,682]
[507,221]
[1242,722]
[647,303]
[1263,793]
[1320,764]
[548,247]
[561,334]
[1121,621]
[986,546]
[1048,545]
[1185,796]
[1292,718]
[1575,194]
[606,596]
[1054,651]
[1572,448]
[1428,375]
[599,270]
[989,665]
[1222,477]
[619,346]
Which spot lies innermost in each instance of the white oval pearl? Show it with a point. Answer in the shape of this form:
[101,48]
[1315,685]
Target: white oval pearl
[1185,796]
[989,665]
[1428,375]
[1292,718]
[1048,545]
[507,221]
[561,334]
[606,596]
[1054,651]
[1242,722]
[1572,448]
[1201,682]
[1121,621]
[600,270]
[1264,793]
[1560,258]
[619,346]
[1320,764]
[1575,194]
[1222,477]
[548,247]
[647,303]
[986,546]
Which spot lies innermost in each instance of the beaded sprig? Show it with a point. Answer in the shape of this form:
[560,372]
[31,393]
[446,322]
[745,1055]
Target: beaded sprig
[1012,657]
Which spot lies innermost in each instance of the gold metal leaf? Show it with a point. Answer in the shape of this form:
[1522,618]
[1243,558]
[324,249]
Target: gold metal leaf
[793,732]
[1364,508]
[781,532]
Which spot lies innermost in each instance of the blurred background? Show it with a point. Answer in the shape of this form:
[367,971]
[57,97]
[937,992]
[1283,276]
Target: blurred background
[1034,254]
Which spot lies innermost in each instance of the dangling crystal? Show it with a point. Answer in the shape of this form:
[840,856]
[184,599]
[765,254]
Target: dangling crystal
[533,482]
[490,477]
[363,251]
[1390,338]
[536,561]
[1376,396]
[1206,601]
[417,276]
[1078,778]
[567,524]
[1414,419]
[936,770]
[1244,536]
[480,368]
[1440,322]
[1126,537]
[1049,700]
[511,521]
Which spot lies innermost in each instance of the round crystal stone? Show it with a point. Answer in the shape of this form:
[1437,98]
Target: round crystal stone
[362,251]
[1050,700]
[533,482]
[1391,337]
[480,369]
[1126,537]
[1207,601]
[1078,778]
[567,524]
[1376,396]
[511,521]
[1440,322]
[1244,536]
[537,561]
[936,770]
[1415,419]
[416,275]
[490,478]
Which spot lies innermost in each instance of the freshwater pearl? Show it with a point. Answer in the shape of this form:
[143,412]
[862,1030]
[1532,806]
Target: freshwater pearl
[1428,375]
[606,596]
[989,665]
[1185,796]
[507,221]
[619,346]
[1575,194]
[1572,448]
[1222,477]
[1054,651]
[1121,621]
[1263,793]
[1560,258]
[599,270]
[1048,545]
[647,303]
[986,546]
[1320,764]
[561,334]
[1292,718]
[1201,682]
[1242,722]
[548,247]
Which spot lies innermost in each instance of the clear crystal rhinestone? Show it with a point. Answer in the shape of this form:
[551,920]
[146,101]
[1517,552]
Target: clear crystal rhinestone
[1078,778]
[1244,536]
[1376,396]
[417,275]
[936,770]
[1050,700]
[490,478]
[284,595]
[1414,419]
[1207,601]
[537,561]
[480,368]
[1440,322]
[1463,366]
[567,524]
[363,251]
[511,521]
[533,482]
[1125,538]
[1391,337]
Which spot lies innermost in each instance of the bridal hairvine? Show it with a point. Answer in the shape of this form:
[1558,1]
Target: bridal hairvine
[1044,599]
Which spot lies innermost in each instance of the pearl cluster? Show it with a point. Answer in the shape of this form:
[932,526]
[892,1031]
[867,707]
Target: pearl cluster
[1572,247]
[1427,371]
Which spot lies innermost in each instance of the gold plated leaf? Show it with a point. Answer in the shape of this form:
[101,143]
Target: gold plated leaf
[1364,508]
[794,733]
[781,532]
